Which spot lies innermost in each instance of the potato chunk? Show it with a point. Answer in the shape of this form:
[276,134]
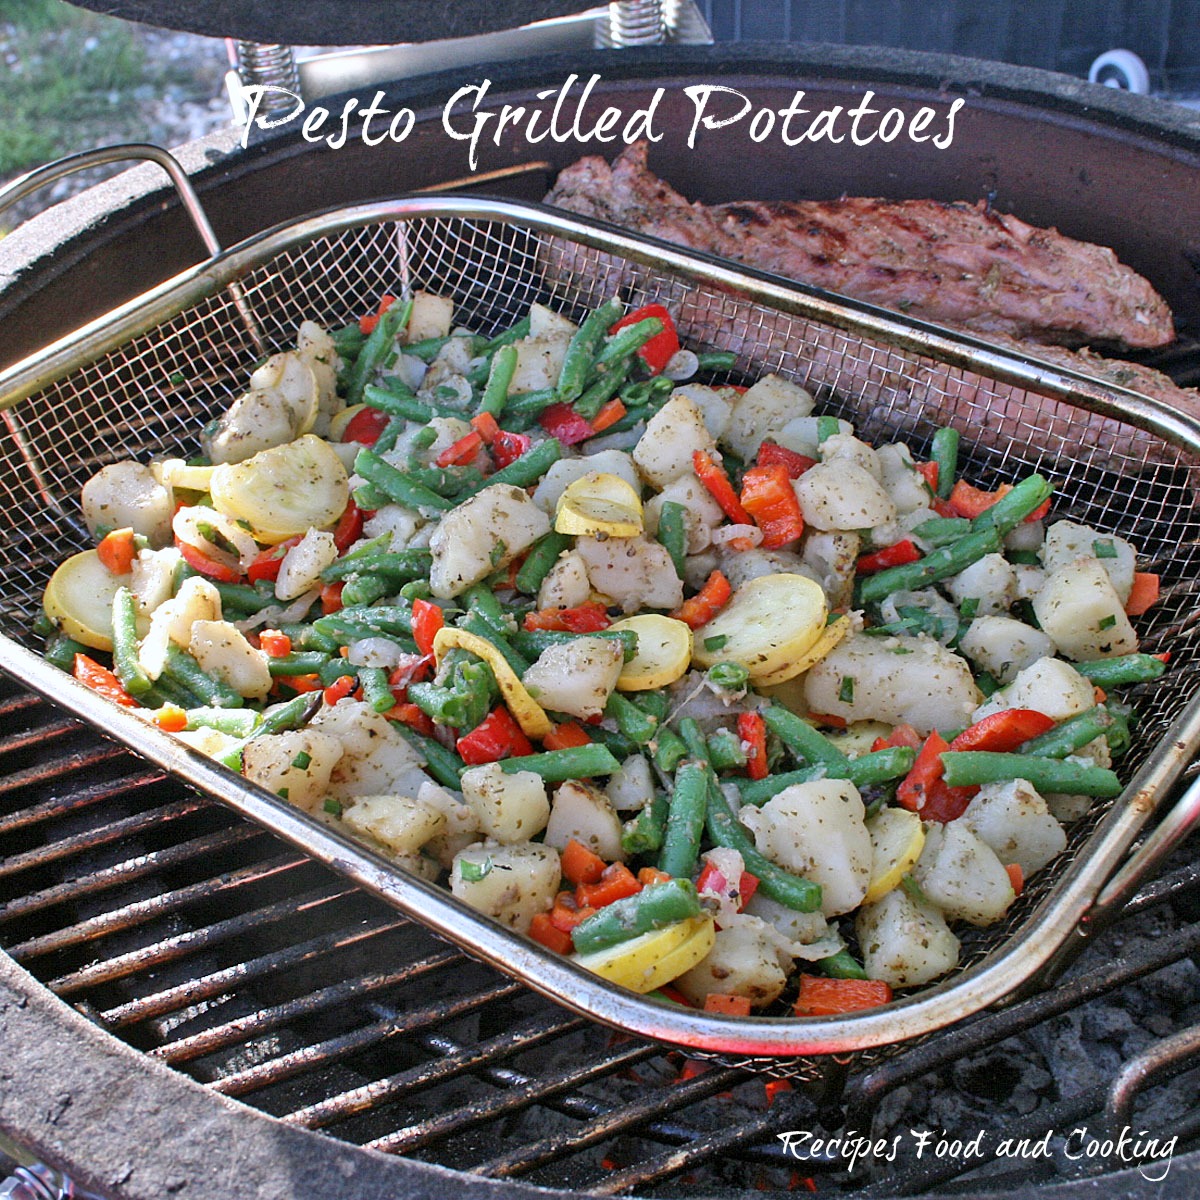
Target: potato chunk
[664,452]
[508,807]
[584,814]
[270,761]
[576,677]
[509,883]
[905,942]
[1081,610]
[127,495]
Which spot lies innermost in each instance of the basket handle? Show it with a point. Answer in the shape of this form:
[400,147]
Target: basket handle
[39,177]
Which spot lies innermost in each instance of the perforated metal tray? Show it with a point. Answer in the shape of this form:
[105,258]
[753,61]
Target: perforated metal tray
[142,382]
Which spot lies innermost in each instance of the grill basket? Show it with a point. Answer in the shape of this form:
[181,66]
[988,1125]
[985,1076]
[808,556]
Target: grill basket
[142,382]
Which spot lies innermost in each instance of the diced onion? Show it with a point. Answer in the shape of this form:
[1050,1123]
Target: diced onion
[186,526]
[682,365]
[724,534]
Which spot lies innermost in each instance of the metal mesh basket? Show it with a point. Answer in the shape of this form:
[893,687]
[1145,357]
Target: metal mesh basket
[143,381]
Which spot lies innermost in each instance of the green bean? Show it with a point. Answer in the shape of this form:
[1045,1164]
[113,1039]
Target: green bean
[805,742]
[618,745]
[295,714]
[945,454]
[842,965]
[685,820]
[299,662]
[729,676]
[305,637]
[240,597]
[474,622]
[627,341]
[183,668]
[827,427]
[336,668]
[427,349]
[397,403]
[376,691]
[368,497]
[61,651]
[365,589]
[378,343]
[541,558]
[654,907]
[500,377]
[881,766]
[604,389]
[236,722]
[803,895]
[966,768]
[1126,668]
[638,726]
[716,360]
[377,620]
[693,738]
[556,766]
[126,665]
[647,391]
[400,565]
[672,534]
[390,435]
[656,702]
[581,353]
[482,600]
[1070,735]
[941,531]
[513,334]
[397,485]
[670,749]
[528,405]
[1013,507]
[644,833]
[530,467]
[441,762]
[348,340]
[725,750]
[533,642]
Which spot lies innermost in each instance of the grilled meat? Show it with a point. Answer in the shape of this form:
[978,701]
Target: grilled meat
[963,265]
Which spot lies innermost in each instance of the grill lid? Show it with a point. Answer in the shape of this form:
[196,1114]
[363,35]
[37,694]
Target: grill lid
[335,22]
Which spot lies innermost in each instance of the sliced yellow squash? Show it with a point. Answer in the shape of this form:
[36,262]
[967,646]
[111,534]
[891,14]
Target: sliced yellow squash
[813,655]
[528,713]
[283,491]
[897,838]
[768,625]
[339,421]
[599,504]
[79,599]
[664,652]
[647,962]
[175,473]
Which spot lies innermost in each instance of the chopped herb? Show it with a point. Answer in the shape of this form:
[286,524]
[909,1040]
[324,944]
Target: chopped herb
[1107,622]
[729,676]
[846,691]
[913,889]
[716,642]
[473,872]
[302,761]
[333,807]
[969,607]
[176,378]
[498,552]
[282,793]
[1104,548]
[827,427]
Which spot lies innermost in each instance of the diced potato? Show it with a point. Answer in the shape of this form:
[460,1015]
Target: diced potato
[431,317]
[632,787]
[833,557]
[1067,540]
[172,621]
[1004,646]
[991,581]
[257,420]
[303,563]
[1028,536]
[664,452]
[461,828]
[270,761]
[222,649]
[702,514]
[543,320]
[576,677]
[152,578]
[895,680]
[803,435]
[846,448]
[316,347]
[715,407]
[539,362]
[1049,685]
[809,929]
[634,572]
[940,613]
[905,942]
[481,535]
[127,495]
[841,495]
[761,410]
[584,814]
[1014,820]
[960,874]
[901,479]
[378,761]
[1080,609]
[741,566]
[567,470]
[818,830]
[742,962]
[566,584]
[394,519]
[508,807]
[509,883]
[401,824]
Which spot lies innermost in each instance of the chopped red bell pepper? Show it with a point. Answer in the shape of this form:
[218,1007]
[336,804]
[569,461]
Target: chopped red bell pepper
[564,736]
[497,736]
[208,567]
[486,426]
[506,447]
[567,912]
[117,550]
[901,735]
[821,996]
[662,347]
[730,1006]
[617,882]
[713,476]
[768,496]
[102,681]
[583,618]
[404,713]
[274,644]
[409,669]
[349,527]
[342,687]
[365,426]
[563,422]
[648,875]
[1016,876]
[609,414]
[923,790]
[331,598]
[427,619]
[368,322]
[771,454]
[712,880]
[752,730]
[581,865]
[1003,732]
[543,930]
[706,603]
[971,502]
[1143,595]
[895,555]
[266,564]
[930,473]
[461,452]
[171,718]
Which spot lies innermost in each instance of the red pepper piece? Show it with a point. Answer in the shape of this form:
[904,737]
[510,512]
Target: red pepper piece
[923,790]
[706,603]
[368,322]
[584,618]
[266,564]
[102,681]
[581,865]
[730,1006]
[617,882]
[508,447]
[497,736]
[567,912]
[609,414]
[274,644]
[1003,732]
[461,452]
[563,422]
[895,555]
[930,473]
[712,475]
[543,930]
[768,496]
[971,502]
[821,996]
[1143,595]
[662,347]
[427,619]
[208,567]
[771,454]
[752,730]
[331,598]
[117,550]
[365,426]
[341,688]
[564,736]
